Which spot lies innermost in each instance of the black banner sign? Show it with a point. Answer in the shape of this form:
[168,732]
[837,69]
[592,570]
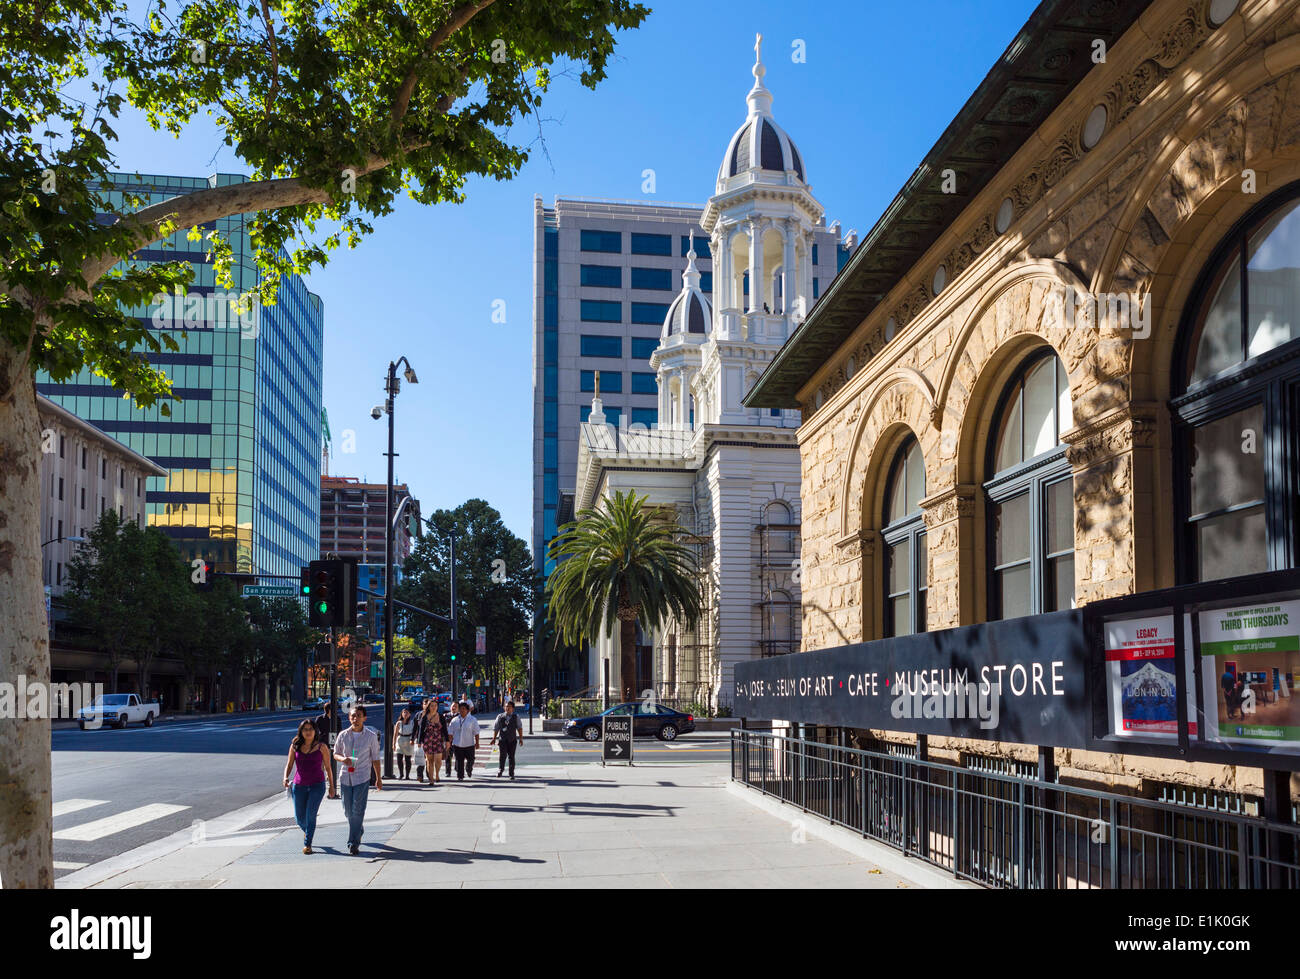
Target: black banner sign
[616,738]
[1020,680]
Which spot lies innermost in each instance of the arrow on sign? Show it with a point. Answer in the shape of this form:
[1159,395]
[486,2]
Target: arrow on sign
[616,748]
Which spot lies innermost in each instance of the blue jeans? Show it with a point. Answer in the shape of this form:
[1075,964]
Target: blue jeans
[354,807]
[306,803]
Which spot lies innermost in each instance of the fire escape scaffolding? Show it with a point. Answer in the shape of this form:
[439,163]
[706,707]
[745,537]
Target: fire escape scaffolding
[688,667]
[778,554]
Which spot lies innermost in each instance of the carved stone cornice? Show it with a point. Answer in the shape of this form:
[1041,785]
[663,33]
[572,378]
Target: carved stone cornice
[860,543]
[1120,430]
[948,505]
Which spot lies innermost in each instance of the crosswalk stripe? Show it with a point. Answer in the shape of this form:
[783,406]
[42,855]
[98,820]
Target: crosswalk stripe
[88,832]
[65,865]
[75,805]
[555,744]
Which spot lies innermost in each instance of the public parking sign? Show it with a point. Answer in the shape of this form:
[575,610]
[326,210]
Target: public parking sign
[616,738]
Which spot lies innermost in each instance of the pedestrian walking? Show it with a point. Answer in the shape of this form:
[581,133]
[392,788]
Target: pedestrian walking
[463,731]
[308,756]
[325,729]
[429,736]
[510,730]
[357,750]
[404,742]
[444,720]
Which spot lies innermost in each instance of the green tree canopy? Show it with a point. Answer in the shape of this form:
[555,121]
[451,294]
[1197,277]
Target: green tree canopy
[494,584]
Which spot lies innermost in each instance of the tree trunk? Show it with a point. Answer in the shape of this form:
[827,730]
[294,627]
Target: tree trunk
[627,660]
[26,844]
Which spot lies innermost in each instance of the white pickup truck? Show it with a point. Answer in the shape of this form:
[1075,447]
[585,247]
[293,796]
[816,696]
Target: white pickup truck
[118,709]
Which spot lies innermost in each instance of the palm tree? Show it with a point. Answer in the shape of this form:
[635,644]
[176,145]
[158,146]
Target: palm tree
[624,563]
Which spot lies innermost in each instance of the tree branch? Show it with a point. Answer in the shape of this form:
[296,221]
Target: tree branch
[207,205]
[461,16]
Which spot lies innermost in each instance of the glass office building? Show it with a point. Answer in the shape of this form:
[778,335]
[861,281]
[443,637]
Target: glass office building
[242,442]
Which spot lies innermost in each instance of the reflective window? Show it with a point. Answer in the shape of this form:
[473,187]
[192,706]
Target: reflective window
[1031,509]
[1235,426]
[904,535]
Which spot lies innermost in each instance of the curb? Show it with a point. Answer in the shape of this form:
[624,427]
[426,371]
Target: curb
[882,856]
[229,822]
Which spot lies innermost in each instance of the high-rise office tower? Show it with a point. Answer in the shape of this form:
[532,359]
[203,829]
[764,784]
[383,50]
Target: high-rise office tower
[242,445]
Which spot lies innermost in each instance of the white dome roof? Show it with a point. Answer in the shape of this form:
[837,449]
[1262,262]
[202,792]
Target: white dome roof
[759,142]
[690,313]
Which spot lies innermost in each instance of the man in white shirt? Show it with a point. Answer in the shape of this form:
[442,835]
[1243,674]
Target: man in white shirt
[357,751]
[463,731]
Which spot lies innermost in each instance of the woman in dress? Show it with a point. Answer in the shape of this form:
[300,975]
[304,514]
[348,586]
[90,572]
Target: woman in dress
[308,763]
[404,741]
[431,738]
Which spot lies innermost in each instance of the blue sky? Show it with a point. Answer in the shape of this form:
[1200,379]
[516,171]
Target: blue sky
[880,82]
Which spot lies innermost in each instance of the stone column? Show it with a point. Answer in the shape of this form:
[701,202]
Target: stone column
[720,245]
[949,520]
[1113,459]
[789,274]
[755,266]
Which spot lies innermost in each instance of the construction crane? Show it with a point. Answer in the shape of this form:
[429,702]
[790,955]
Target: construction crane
[327,440]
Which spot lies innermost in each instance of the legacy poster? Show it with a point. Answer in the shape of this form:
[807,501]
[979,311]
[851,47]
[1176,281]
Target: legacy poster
[1142,687]
[1250,658]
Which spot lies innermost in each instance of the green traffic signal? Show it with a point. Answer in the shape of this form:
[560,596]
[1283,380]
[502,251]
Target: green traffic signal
[323,608]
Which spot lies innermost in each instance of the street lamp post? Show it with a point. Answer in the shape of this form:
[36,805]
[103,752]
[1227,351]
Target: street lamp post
[391,387]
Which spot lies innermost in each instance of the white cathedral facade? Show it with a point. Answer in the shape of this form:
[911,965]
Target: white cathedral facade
[729,475]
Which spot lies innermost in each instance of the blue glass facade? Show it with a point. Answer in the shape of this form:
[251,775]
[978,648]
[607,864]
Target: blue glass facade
[551,390]
[243,445]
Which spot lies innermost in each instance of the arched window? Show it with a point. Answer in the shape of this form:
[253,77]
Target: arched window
[1031,495]
[904,539]
[1240,361]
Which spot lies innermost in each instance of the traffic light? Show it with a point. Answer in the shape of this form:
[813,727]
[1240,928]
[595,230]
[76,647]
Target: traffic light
[363,619]
[203,576]
[331,591]
[453,647]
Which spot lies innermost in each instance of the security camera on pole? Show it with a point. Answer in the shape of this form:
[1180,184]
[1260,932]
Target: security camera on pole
[391,386]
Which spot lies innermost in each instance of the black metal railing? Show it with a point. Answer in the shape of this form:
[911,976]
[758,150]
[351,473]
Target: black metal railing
[1002,830]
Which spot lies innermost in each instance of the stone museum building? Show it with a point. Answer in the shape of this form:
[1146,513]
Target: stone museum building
[1063,369]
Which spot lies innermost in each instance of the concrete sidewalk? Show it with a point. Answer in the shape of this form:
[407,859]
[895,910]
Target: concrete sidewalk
[654,825]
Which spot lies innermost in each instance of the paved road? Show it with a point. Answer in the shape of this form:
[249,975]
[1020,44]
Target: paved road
[117,790]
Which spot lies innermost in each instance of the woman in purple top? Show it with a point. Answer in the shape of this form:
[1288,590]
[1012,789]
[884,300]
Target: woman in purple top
[309,764]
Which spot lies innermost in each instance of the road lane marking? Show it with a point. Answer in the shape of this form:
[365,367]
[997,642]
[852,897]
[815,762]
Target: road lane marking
[65,865]
[99,828]
[555,744]
[75,805]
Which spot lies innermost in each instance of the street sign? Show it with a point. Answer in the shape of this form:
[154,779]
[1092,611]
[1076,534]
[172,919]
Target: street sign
[270,591]
[480,640]
[616,738]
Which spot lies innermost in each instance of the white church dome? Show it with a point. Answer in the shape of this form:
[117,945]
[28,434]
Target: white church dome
[690,313]
[760,142]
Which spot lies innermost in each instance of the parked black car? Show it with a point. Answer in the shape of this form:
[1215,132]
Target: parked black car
[650,720]
[417,703]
